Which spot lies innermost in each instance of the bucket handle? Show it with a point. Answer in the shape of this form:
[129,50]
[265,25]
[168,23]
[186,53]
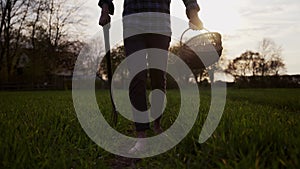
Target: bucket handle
[188,30]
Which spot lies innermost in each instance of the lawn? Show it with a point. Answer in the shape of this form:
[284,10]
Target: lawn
[260,128]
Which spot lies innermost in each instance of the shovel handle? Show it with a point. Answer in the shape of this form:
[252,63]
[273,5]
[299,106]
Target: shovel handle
[107,50]
[109,70]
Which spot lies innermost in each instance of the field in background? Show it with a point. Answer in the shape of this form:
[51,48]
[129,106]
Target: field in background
[260,128]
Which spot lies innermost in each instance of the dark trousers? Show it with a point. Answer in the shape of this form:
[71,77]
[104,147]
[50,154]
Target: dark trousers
[137,88]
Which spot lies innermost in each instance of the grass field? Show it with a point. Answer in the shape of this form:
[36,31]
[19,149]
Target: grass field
[260,128]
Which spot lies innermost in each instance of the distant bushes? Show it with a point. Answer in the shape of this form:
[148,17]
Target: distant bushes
[285,81]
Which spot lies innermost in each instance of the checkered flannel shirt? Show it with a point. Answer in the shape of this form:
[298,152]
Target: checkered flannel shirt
[157,18]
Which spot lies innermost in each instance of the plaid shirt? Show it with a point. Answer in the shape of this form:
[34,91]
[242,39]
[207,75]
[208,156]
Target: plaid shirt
[157,18]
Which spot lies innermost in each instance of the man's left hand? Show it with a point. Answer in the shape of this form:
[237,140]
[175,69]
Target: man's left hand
[195,23]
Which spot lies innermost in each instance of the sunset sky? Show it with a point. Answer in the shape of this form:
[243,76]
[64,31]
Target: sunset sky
[243,24]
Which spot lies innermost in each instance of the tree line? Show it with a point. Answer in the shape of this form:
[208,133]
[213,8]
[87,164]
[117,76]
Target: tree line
[266,61]
[38,28]
[251,67]
[42,29]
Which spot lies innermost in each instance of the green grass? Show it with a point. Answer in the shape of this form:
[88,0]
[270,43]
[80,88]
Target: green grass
[260,128]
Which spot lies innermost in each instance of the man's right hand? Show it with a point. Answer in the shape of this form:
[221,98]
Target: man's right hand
[104,18]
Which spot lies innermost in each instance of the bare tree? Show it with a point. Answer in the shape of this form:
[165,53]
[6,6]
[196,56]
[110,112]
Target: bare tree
[271,53]
[61,16]
[26,22]
[276,65]
[13,16]
[37,9]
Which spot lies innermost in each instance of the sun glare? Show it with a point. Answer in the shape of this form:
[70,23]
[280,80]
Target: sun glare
[220,15]
[217,15]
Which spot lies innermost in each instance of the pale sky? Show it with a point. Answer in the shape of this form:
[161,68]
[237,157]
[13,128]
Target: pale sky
[243,23]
